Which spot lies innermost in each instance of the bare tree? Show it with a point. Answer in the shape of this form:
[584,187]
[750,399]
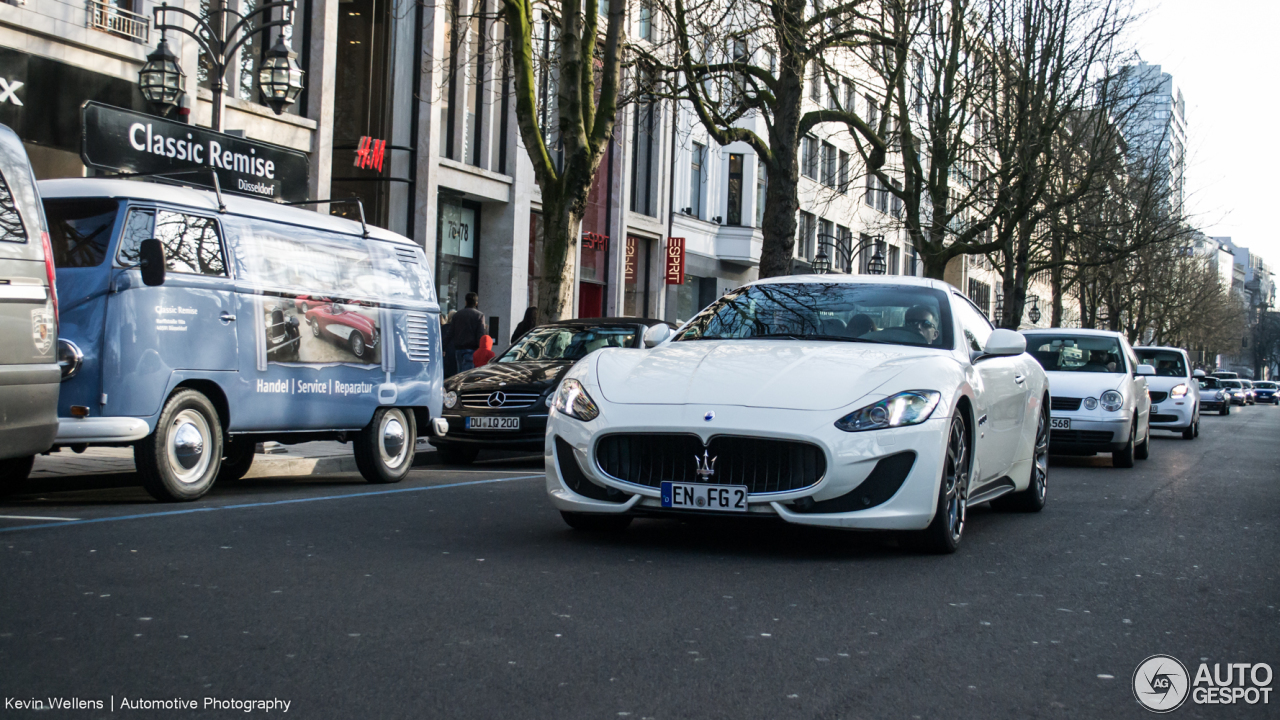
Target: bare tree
[737,62]
[587,83]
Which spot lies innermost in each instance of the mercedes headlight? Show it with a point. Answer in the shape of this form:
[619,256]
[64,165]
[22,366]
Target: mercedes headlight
[906,408]
[572,400]
[1178,391]
[1112,401]
[450,399]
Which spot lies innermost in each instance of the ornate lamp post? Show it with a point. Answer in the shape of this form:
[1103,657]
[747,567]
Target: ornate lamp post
[280,77]
[1034,314]
[847,253]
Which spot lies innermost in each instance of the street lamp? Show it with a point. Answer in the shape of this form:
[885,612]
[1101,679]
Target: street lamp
[1034,314]
[845,253]
[280,77]
[160,78]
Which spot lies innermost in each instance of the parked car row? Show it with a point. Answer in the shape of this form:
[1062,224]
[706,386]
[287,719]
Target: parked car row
[173,326]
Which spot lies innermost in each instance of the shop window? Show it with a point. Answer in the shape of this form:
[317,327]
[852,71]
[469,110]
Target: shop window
[892,263]
[254,50]
[636,277]
[457,263]
[828,164]
[645,149]
[734,210]
[697,179]
[762,186]
[808,235]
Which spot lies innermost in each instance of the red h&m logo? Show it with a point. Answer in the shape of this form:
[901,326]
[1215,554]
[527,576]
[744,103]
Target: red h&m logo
[370,153]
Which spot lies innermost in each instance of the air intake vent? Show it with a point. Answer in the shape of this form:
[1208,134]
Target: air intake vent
[418,326]
[407,255]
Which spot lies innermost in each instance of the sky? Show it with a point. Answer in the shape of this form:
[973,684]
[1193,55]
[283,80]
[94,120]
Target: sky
[1220,53]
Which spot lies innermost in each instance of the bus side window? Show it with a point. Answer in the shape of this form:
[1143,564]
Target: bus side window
[137,227]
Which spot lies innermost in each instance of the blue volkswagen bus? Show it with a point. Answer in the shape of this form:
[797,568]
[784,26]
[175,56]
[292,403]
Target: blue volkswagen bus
[195,325]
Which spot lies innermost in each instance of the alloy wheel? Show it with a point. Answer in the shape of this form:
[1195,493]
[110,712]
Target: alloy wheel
[957,480]
[1041,477]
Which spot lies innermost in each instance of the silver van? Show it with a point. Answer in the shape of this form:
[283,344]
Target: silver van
[29,372]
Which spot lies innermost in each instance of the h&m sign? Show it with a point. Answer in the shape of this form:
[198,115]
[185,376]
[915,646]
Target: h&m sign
[137,143]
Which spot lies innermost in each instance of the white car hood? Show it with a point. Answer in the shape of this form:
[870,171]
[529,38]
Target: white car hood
[753,373]
[1084,384]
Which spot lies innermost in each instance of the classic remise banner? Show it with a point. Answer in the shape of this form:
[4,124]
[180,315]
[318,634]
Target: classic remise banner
[133,142]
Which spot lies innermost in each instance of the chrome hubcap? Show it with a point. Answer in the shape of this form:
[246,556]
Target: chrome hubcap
[956,480]
[393,445]
[189,440]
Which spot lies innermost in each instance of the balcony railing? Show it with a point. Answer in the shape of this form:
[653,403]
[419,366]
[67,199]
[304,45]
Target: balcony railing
[110,18]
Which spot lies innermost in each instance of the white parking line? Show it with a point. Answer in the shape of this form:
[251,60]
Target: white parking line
[34,517]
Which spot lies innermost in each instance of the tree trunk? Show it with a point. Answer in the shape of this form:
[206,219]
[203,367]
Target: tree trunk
[782,196]
[560,227]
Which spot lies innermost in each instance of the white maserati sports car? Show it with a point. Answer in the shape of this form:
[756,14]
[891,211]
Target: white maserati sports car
[840,401]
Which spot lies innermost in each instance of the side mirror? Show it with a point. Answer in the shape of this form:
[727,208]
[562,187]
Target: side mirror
[1198,373]
[656,335]
[151,261]
[1145,370]
[1002,343]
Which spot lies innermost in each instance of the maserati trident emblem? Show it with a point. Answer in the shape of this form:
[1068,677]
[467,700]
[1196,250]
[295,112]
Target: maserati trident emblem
[706,466]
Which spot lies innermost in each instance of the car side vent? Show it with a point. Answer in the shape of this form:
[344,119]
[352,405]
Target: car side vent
[418,335]
[881,484]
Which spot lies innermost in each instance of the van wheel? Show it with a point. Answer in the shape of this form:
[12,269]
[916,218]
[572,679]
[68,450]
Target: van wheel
[385,447]
[357,344]
[13,474]
[180,460]
[237,458]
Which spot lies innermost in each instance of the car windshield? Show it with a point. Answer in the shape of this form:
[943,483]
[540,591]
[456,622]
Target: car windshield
[1167,363]
[1264,386]
[1208,383]
[569,342]
[1233,384]
[1077,353]
[847,312]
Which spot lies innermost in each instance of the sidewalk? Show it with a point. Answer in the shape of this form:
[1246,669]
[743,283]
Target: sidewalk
[313,458]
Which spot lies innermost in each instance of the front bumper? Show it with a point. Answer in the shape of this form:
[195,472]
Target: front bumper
[531,435]
[851,459]
[1173,413]
[73,431]
[1089,434]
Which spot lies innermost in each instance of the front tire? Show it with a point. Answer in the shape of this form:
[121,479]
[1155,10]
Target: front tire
[384,448]
[945,531]
[451,454]
[179,461]
[1226,408]
[14,472]
[592,522]
[237,458]
[1123,458]
[1032,499]
[1143,450]
[1193,430]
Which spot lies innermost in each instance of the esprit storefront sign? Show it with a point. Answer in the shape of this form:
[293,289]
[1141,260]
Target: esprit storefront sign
[675,261]
[133,142]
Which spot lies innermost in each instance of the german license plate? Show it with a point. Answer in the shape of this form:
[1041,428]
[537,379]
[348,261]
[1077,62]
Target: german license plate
[1155,409]
[493,423]
[1059,423]
[699,496]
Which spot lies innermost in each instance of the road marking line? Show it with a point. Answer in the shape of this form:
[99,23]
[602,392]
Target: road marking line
[34,517]
[267,504]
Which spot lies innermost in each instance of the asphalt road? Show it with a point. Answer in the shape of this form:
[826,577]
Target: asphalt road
[461,594]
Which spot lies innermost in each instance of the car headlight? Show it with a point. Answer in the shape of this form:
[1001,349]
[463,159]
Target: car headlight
[1218,396]
[1091,403]
[572,400]
[450,399]
[906,408]
[1178,391]
[1112,401]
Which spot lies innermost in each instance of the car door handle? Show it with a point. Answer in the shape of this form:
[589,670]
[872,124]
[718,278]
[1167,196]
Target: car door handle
[227,317]
[1019,379]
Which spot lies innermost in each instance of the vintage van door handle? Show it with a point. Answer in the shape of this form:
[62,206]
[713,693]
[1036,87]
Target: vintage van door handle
[227,317]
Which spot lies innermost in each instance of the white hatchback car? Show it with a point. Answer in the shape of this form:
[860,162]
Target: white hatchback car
[1175,393]
[1100,401]
[838,401]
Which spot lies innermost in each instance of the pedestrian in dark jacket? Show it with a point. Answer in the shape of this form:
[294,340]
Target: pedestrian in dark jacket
[529,322]
[468,327]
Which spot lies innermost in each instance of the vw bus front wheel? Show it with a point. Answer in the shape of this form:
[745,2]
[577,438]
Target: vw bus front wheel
[384,448]
[179,461]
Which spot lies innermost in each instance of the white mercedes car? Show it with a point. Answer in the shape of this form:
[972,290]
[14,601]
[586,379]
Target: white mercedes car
[847,402]
[1100,398]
